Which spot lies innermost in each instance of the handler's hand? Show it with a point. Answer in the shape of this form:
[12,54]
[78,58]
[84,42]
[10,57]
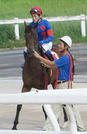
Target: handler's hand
[36,54]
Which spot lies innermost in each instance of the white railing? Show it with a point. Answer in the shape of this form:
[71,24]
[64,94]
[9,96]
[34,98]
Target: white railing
[17,21]
[74,96]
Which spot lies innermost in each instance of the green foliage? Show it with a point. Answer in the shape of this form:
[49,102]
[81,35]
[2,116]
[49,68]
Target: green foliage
[20,8]
[72,28]
[6,34]
[10,9]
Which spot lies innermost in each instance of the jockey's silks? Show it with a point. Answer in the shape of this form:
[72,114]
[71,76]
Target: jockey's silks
[44,31]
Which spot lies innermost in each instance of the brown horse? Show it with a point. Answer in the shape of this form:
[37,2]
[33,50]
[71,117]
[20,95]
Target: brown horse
[34,74]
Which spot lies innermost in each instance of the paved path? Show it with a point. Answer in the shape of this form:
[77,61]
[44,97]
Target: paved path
[11,61]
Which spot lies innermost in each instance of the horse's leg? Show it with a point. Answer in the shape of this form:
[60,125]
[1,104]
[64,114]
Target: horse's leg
[24,89]
[65,114]
[17,116]
[44,112]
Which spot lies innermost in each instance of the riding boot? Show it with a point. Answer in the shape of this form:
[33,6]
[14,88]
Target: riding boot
[49,55]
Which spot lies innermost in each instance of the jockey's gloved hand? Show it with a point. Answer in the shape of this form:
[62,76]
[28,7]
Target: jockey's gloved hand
[40,43]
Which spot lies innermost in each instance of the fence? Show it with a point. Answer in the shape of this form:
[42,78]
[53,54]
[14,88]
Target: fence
[74,96]
[17,21]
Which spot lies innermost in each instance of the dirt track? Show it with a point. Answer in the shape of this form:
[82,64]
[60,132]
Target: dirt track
[31,117]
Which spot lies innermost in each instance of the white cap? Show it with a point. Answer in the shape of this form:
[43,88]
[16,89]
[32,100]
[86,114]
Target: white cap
[67,40]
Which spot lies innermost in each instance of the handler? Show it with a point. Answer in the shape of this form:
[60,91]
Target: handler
[65,65]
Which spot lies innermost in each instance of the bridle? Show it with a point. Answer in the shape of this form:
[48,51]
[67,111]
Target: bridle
[30,51]
[31,47]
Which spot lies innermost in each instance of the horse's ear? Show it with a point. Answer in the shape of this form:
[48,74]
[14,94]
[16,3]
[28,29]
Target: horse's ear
[25,23]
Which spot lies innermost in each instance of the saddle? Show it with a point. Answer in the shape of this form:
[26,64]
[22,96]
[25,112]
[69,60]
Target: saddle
[51,56]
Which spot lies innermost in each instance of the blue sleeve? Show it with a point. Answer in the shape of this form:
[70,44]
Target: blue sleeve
[49,39]
[62,61]
[49,32]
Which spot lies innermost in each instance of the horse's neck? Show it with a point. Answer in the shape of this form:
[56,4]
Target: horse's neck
[32,60]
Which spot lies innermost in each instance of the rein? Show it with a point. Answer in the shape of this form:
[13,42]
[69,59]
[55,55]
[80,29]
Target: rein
[70,72]
[30,51]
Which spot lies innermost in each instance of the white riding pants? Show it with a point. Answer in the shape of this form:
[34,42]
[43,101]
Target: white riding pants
[47,46]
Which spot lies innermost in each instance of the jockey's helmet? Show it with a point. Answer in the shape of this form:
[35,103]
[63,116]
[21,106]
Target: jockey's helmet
[36,10]
[67,40]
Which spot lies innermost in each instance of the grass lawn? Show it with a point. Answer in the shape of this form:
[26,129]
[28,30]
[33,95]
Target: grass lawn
[10,9]
[20,8]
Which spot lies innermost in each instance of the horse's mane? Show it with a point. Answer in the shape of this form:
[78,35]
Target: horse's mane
[31,37]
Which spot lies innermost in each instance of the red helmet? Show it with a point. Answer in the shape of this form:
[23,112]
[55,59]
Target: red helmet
[36,10]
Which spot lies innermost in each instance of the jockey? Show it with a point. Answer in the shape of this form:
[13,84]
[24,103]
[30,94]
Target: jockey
[44,31]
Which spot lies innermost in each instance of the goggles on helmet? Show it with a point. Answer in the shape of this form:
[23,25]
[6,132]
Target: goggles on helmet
[35,11]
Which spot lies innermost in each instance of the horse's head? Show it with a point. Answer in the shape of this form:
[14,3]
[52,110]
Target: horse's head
[31,37]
